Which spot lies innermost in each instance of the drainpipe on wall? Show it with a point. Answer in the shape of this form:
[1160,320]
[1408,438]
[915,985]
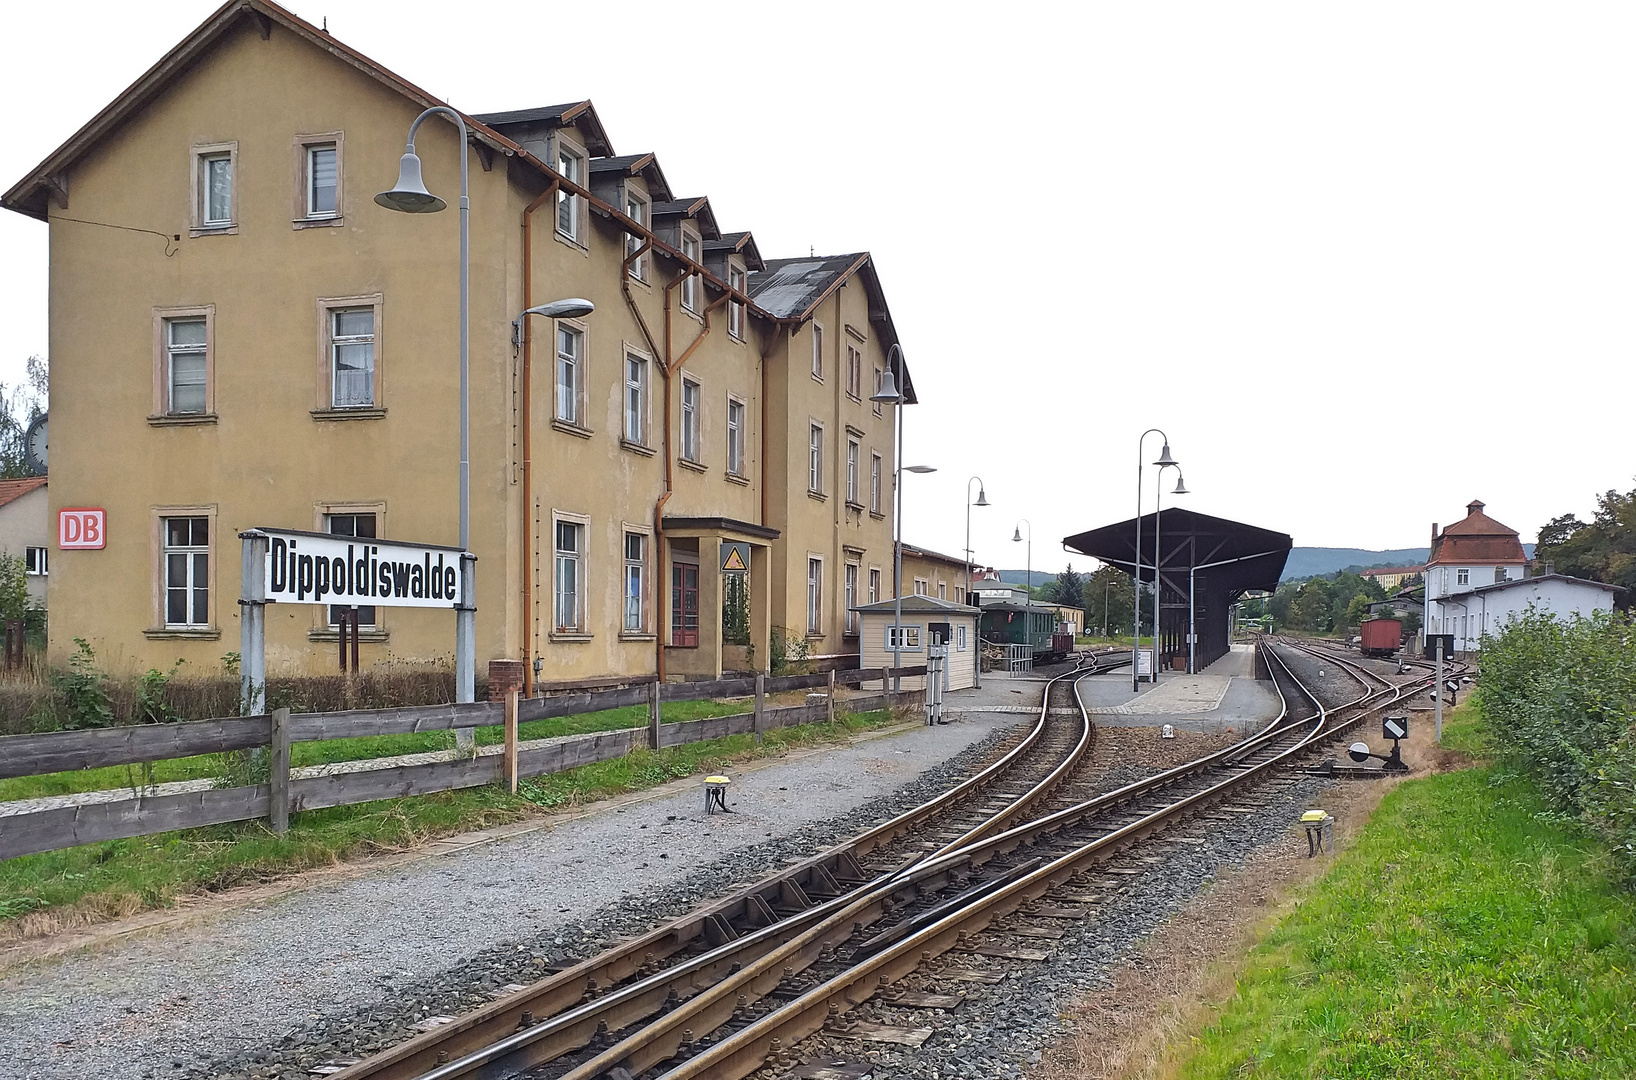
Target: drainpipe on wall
[528,438]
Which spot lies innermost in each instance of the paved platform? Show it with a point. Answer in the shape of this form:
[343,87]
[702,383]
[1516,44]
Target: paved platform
[1223,697]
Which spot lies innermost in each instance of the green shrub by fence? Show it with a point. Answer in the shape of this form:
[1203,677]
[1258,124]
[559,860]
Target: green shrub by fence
[1559,698]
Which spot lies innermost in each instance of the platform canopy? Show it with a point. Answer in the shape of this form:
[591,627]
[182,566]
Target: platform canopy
[1205,564]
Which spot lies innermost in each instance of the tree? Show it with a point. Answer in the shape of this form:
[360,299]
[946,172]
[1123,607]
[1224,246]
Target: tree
[20,406]
[1602,549]
[1068,589]
[1105,596]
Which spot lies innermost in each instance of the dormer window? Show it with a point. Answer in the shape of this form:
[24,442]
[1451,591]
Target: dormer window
[1462,576]
[572,167]
[735,309]
[690,284]
[636,208]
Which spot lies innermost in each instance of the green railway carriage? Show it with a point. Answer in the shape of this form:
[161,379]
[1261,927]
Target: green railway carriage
[1008,623]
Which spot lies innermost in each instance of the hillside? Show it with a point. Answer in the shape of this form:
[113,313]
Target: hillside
[1304,562]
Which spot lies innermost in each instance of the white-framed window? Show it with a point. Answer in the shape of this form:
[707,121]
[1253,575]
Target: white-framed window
[323,180]
[187,359]
[851,599]
[874,584]
[636,399]
[879,375]
[910,635]
[690,420]
[690,284]
[34,561]
[570,374]
[853,452]
[735,309]
[636,208]
[875,469]
[817,352]
[360,525]
[572,167]
[815,459]
[960,639]
[735,437]
[187,572]
[854,372]
[568,599]
[1462,576]
[921,588]
[815,595]
[352,357]
[1499,574]
[215,203]
[942,591]
[636,575]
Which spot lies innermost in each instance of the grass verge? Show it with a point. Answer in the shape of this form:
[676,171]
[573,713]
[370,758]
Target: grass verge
[210,766]
[79,886]
[1466,933]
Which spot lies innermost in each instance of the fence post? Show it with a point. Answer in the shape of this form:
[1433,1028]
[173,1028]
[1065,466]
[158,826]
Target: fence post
[278,773]
[511,739]
[831,701]
[252,623]
[758,724]
[653,714]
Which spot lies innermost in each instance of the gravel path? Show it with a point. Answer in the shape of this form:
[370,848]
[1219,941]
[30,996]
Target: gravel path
[341,968]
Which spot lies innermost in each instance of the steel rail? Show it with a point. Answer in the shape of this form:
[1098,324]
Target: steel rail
[575,1002]
[747,1049]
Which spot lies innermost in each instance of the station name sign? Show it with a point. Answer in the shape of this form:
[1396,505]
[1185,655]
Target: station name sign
[317,568]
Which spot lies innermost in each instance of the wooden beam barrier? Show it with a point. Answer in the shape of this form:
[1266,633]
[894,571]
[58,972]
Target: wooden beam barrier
[511,740]
[278,773]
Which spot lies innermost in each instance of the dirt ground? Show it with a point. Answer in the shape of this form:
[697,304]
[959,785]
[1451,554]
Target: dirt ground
[1172,984]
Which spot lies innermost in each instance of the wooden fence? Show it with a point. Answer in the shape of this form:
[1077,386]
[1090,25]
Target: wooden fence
[139,815]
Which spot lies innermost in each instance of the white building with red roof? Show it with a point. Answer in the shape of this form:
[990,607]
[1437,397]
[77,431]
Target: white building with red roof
[1477,581]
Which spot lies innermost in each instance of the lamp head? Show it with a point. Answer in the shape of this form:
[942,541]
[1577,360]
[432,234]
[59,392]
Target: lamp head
[571,308]
[1181,487]
[1016,534]
[920,468]
[982,498]
[888,391]
[1164,456]
[409,194]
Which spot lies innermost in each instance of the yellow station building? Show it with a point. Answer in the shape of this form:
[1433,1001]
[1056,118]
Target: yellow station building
[241,337]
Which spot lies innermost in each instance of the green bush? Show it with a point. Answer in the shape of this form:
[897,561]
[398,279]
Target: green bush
[1559,699]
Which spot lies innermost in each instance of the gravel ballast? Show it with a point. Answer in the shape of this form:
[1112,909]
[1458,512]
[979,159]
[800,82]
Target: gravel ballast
[340,968]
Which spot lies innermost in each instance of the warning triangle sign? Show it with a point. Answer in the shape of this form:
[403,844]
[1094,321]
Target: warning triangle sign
[734,560]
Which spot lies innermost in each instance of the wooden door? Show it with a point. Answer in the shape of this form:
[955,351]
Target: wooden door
[684,604]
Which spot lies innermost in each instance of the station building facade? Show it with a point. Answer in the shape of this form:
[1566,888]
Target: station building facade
[278,350]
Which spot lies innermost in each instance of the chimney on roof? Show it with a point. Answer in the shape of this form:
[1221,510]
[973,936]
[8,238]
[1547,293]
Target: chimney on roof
[1434,533]
[1475,506]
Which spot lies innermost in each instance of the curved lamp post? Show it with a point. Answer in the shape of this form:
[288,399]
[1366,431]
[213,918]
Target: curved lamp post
[409,196]
[571,308]
[889,394]
[1136,618]
[1181,489]
[1028,602]
[982,500]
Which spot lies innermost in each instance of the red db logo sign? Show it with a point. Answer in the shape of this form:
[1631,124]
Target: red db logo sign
[81,528]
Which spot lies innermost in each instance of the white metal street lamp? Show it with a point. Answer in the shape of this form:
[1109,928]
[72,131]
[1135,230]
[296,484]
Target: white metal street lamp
[570,308]
[1028,603]
[409,196]
[890,394]
[1136,617]
[982,500]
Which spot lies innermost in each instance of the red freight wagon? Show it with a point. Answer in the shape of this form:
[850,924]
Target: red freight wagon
[1382,637]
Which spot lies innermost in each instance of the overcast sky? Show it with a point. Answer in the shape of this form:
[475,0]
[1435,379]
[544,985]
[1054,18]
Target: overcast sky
[1364,263]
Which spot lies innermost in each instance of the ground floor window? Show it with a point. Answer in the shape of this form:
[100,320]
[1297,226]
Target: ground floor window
[360,525]
[187,571]
[815,595]
[570,546]
[684,604]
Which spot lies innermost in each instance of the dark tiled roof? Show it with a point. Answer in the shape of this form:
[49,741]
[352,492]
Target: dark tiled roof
[549,113]
[789,287]
[741,242]
[645,165]
[578,113]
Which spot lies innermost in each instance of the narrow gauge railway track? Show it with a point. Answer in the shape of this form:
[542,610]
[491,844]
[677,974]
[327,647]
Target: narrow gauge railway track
[578,1005]
[996,884]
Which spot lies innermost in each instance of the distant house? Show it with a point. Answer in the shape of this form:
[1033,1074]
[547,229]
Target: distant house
[1392,577]
[25,529]
[1476,582]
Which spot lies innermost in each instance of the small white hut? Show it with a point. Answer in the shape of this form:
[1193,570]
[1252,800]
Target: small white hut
[926,619]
